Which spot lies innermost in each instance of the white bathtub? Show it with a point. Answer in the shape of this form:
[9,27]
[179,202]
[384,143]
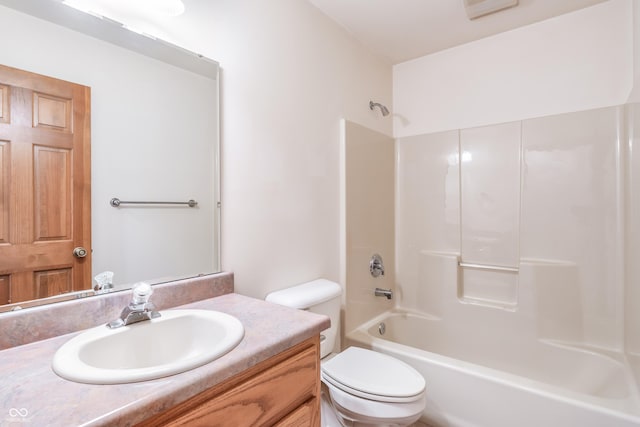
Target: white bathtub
[488,381]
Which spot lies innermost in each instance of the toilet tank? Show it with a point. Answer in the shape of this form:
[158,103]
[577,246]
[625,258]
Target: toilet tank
[319,296]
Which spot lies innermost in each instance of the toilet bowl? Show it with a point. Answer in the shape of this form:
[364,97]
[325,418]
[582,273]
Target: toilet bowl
[370,388]
[361,387]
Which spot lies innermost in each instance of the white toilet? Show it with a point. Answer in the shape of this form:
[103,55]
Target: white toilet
[365,388]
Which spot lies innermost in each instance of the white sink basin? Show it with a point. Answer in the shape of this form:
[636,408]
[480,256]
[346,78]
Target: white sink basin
[175,342]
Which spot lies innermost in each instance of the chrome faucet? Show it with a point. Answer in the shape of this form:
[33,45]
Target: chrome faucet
[387,293]
[139,309]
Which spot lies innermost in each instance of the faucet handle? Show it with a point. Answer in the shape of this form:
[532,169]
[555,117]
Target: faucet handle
[104,281]
[376,267]
[141,293]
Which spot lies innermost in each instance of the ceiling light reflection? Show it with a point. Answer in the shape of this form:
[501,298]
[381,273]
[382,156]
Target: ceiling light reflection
[135,7]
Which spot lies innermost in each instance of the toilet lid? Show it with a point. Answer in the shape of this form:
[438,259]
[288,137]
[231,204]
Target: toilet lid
[373,373]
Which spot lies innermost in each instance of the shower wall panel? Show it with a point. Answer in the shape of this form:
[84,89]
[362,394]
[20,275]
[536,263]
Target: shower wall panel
[369,219]
[570,209]
[632,296]
[427,194]
[490,212]
[490,172]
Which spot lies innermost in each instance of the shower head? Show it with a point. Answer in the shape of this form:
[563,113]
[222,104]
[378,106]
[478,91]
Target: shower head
[384,110]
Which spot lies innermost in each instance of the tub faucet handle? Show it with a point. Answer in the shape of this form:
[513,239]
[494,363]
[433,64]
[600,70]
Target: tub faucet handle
[387,293]
[376,267]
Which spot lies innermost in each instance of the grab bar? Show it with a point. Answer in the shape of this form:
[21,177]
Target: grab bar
[488,267]
[115,202]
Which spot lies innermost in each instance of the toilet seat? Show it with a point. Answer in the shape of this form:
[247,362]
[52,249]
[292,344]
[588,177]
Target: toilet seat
[373,376]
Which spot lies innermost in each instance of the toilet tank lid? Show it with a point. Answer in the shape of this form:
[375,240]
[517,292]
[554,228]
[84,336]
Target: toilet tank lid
[306,294]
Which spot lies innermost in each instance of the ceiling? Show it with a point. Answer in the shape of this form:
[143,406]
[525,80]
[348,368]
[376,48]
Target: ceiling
[400,30]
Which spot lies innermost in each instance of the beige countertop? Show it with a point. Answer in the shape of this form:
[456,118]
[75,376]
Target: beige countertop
[31,394]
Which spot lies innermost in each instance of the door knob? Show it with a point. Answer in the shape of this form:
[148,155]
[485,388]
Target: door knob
[79,252]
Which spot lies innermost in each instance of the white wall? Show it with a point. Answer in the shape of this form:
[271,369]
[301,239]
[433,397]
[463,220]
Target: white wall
[573,62]
[289,75]
[145,146]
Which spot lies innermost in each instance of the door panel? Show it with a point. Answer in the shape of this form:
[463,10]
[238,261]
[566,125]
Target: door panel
[44,185]
[4,289]
[53,282]
[4,193]
[4,104]
[51,112]
[51,188]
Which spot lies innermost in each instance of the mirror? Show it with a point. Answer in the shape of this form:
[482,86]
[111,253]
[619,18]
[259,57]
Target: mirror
[154,137]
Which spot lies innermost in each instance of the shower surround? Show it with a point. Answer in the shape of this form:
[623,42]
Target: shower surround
[515,243]
[523,234]
[537,208]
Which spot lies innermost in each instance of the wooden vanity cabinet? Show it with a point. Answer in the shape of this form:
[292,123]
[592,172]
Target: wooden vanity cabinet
[282,391]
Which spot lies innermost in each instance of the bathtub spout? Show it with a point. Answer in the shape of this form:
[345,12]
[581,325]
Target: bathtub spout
[387,293]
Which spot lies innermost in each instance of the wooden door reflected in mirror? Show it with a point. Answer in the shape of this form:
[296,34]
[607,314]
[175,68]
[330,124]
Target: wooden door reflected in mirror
[44,186]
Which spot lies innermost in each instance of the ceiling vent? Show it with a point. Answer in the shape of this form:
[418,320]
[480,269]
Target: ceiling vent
[478,8]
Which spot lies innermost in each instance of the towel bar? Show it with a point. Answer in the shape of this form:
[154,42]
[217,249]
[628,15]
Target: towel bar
[115,202]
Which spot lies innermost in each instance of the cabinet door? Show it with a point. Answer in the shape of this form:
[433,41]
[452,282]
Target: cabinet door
[305,415]
[283,390]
